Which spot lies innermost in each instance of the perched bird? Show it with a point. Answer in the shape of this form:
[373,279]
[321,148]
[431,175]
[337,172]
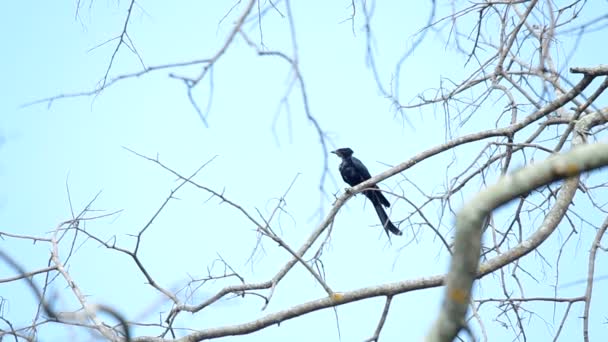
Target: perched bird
[354,172]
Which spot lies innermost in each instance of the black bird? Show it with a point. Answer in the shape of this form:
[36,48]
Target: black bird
[354,172]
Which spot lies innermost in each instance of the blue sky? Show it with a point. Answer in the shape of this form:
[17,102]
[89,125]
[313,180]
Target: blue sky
[260,147]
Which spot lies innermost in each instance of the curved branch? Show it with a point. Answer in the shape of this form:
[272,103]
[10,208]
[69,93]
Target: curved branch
[465,260]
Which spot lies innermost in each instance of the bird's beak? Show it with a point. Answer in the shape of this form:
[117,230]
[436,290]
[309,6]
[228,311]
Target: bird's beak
[334,152]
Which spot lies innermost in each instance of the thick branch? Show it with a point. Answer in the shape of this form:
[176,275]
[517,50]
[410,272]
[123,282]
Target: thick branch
[465,260]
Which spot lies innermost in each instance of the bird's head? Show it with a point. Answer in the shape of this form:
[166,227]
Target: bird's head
[344,152]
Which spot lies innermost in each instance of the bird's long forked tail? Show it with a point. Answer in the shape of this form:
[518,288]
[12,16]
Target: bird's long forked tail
[386,223]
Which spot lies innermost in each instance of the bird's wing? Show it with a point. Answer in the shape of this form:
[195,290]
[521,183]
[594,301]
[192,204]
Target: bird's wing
[375,195]
[361,169]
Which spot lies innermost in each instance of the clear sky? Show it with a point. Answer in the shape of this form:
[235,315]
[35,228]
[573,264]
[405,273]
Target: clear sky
[260,144]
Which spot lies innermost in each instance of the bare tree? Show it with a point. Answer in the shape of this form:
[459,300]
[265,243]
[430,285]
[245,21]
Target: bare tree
[521,126]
